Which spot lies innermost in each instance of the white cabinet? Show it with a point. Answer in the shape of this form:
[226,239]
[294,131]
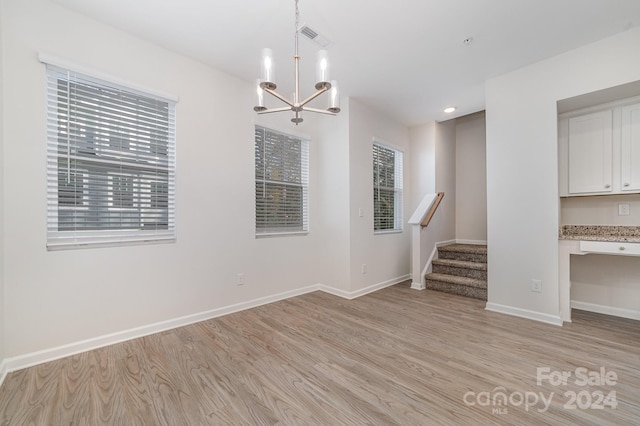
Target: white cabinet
[607,247]
[599,150]
[591,153]
[630,148]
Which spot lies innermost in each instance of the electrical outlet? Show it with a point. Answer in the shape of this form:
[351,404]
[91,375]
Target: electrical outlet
[536,286]
[240,279]
[623,210]
[364,268]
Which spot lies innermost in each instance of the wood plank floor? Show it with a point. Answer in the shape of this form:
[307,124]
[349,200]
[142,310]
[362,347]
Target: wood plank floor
[397,356]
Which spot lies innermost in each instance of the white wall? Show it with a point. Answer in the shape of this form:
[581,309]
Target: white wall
[445,173]
[2,295]
[609,282]
[64,297]
[423,162]
[471,178]
[601,210]
[522,163]
[387,256]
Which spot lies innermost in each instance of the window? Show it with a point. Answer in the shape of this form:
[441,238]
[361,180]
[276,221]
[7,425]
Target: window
[282,180]
[110,163]
[387,188]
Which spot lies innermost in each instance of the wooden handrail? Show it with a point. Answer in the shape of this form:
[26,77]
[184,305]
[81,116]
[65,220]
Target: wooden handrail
[432,210]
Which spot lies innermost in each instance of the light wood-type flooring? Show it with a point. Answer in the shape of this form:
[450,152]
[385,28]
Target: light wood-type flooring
[394,357]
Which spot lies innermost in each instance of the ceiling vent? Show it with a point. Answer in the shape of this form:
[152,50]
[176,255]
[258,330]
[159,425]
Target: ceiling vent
[315,37]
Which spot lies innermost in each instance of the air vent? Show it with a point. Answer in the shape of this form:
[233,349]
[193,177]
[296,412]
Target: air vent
[315,37]
[308,32]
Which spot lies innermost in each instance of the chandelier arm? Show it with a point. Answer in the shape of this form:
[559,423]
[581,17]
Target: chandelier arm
[279,96]
[269,111]
[321,111]
[315,95]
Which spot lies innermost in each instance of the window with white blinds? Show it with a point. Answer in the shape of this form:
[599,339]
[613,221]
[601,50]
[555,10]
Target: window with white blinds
[110,163]
[387,188]
[282,181]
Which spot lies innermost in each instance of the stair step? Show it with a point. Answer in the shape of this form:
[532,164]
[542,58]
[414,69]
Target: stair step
[464,252]
[460,268]
[462,286]
[452,279]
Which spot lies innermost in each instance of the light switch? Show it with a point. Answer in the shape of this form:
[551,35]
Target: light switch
[623,210]
[360,212]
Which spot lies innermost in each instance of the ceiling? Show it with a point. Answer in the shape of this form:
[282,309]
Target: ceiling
[405,58]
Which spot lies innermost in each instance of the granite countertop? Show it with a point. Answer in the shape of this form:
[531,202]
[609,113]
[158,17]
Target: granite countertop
[630,234]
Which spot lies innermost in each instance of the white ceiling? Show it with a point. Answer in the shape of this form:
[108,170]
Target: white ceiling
[404,57]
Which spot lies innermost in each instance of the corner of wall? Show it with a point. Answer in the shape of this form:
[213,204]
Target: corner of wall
[2,295]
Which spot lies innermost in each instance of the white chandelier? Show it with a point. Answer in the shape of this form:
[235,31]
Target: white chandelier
[323,84]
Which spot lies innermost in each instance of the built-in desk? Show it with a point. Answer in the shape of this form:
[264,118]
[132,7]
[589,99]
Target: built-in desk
[585,239]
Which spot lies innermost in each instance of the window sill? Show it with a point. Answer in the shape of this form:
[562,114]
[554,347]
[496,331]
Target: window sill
[281,234]
[388,231]
[107,244]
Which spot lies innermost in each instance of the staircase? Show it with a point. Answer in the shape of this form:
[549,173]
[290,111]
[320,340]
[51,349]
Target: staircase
[460,269]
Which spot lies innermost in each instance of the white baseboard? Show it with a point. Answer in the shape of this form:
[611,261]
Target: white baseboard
[358,293]
[46,355]
[474,242]
[28,360]
[445,243]
[3,371]
[607,310]
[418,285]
[524,313]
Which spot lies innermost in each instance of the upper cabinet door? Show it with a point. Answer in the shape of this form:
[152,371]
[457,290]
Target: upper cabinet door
[590,153]
[630,149]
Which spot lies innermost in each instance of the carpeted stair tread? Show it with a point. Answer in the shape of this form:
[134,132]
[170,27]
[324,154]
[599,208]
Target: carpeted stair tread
[452,279]
[466,252]
[460,269]
[460,290]
[460,264]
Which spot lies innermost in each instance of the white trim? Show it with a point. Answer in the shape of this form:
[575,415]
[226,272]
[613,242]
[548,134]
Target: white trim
[46,355]
[63,63]
[445,243]
[39,357]
[418,285]
[378,141]
[423,208]
[427,266]
[472,242]
[3,371]
[524,313]
[600,107]
[363,291]
[388,231]
[607,310]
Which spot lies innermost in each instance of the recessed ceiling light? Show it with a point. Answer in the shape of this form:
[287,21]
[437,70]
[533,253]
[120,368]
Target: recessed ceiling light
[449,110]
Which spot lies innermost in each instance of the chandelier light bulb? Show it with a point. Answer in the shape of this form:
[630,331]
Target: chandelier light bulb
[259,97]
[334,98]
[267,75]
[322,70]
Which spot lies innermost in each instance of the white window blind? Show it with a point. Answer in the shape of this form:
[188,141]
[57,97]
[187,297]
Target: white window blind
[282,180]
[110,163]
[387,188]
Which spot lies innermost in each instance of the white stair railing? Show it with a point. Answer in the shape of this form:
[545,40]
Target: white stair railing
[423,242]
